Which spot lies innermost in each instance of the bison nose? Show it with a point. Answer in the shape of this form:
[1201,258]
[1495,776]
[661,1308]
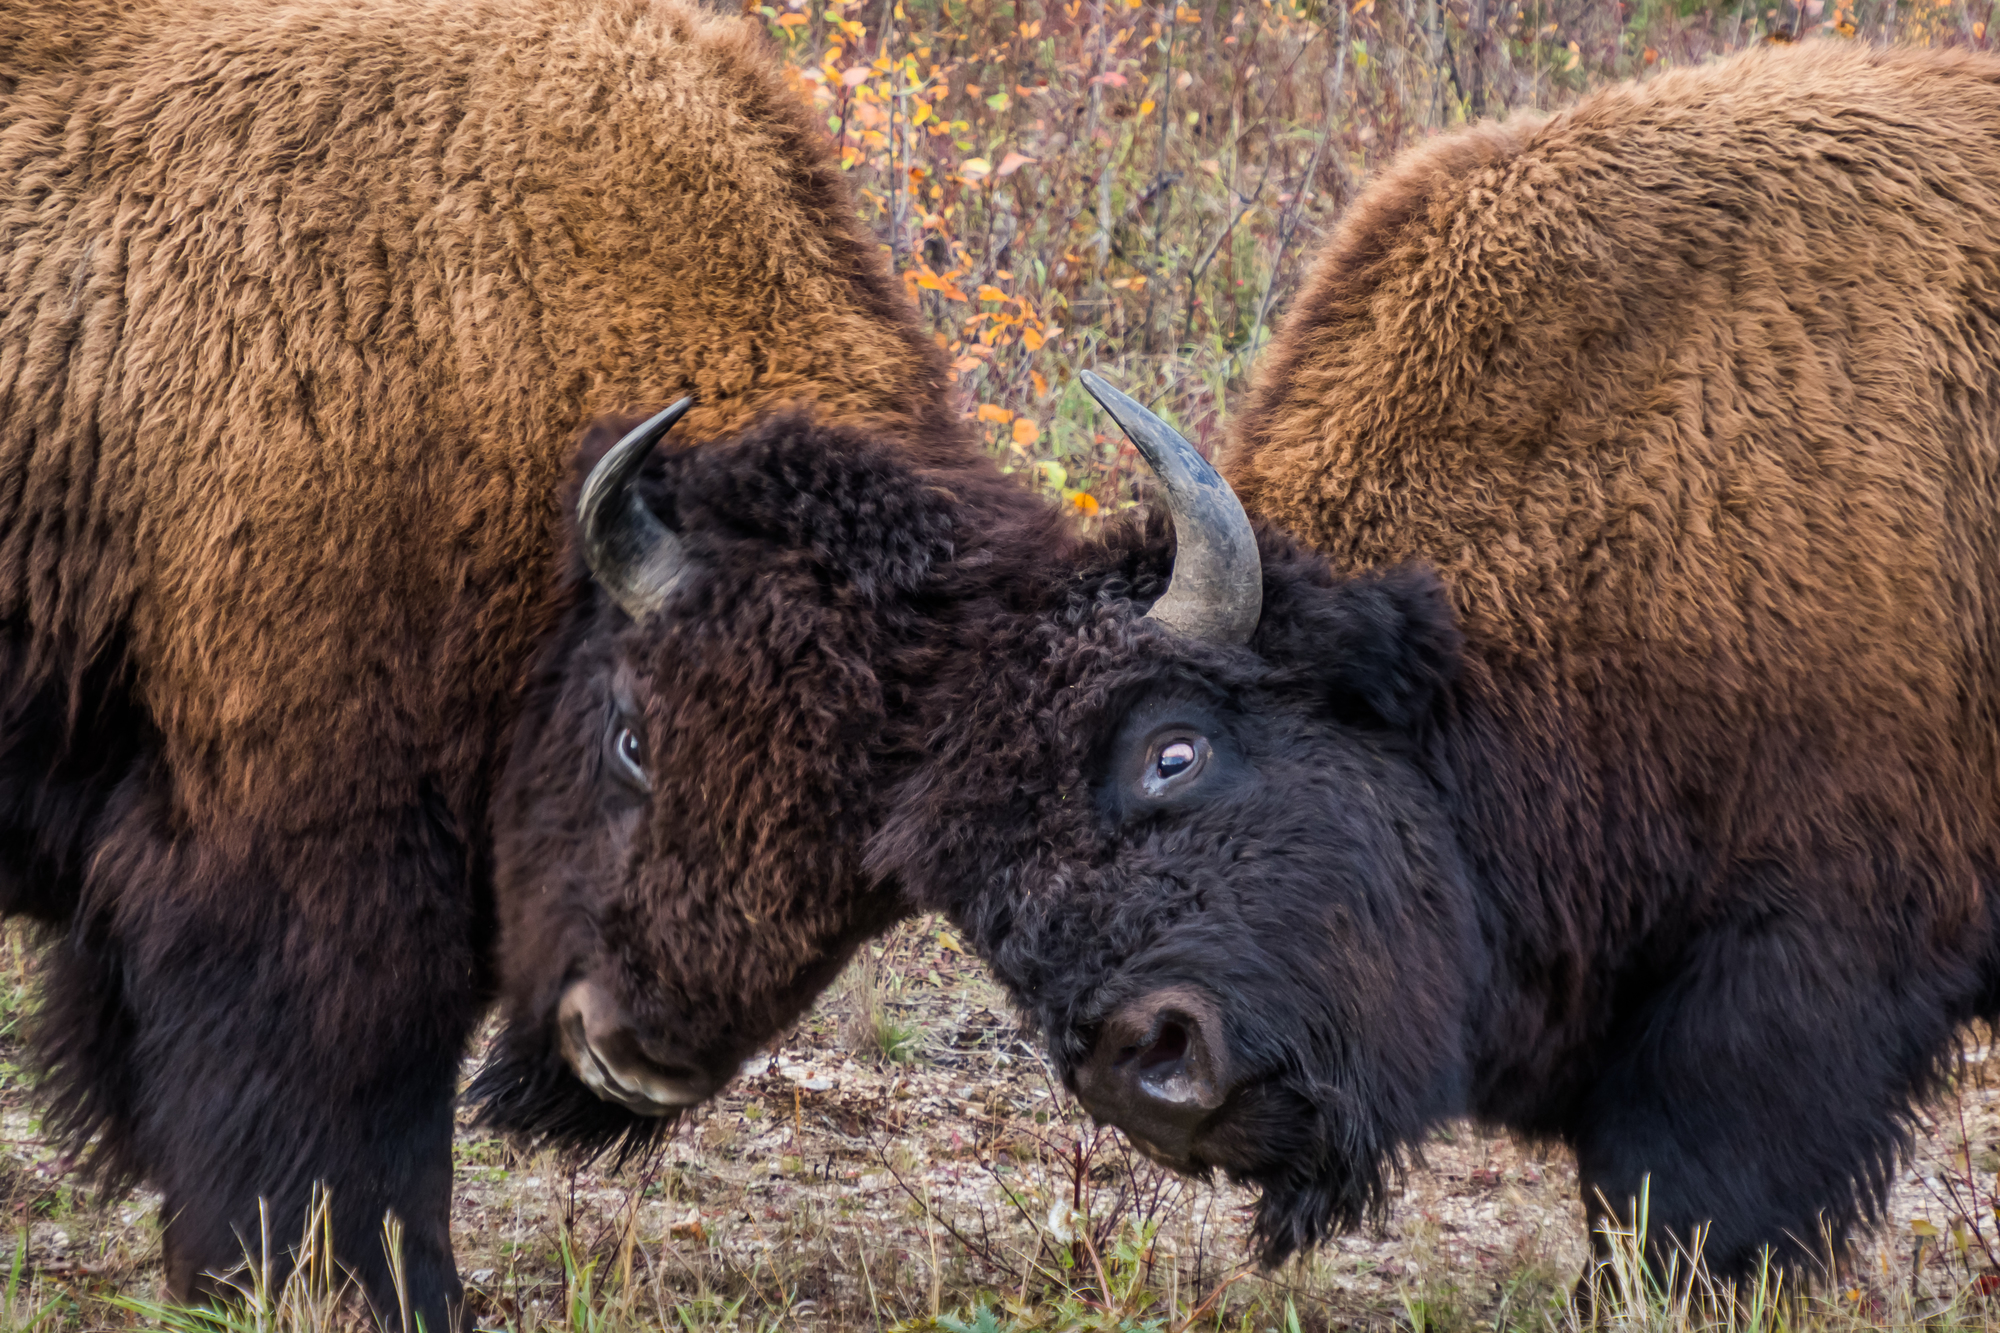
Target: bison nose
[1158,1071]
[607,1053]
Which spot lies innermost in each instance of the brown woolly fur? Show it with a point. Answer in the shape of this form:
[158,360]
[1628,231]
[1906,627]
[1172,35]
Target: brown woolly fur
[302,306]
[1616,757]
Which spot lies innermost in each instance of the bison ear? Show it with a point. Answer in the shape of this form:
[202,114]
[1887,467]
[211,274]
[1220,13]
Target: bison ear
[1386,644]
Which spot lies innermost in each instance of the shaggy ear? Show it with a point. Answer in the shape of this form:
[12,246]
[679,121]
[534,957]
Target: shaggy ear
[1385,643]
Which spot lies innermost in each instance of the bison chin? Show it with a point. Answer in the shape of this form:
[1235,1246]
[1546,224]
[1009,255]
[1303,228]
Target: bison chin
[527,1089]
[1319,1169]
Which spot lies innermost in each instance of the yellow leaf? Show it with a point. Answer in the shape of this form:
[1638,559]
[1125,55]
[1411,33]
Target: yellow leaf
[975,168]
[1032,30]
[998,415]
[921,114]
[1919,1227]
[987,292]
[1031,338]
[1026,432]
[946,940]
[1146,107]
[1052,472]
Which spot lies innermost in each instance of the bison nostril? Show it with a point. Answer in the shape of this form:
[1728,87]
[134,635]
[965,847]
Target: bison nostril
[601,1045]
[1168,1051]
[1160,1070]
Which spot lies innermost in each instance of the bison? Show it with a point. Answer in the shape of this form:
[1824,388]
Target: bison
[311,679]
[1591,726]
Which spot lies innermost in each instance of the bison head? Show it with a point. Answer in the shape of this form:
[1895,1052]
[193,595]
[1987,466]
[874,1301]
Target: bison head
[679,829]
[1206,847]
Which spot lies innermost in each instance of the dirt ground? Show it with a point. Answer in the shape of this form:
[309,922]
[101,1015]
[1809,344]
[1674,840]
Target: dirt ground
[835,1187]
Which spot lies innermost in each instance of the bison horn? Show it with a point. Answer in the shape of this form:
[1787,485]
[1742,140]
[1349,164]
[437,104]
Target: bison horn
[629,550]
[1216,591]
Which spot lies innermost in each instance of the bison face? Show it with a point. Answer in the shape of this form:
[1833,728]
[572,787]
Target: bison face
[679,829]
[1220,875]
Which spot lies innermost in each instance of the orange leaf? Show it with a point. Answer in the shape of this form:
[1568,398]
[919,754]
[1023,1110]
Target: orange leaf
[998,415]
[1031,338]
[1084,503]
[1041,385]
[987,292]
[1026,432]
[792,20]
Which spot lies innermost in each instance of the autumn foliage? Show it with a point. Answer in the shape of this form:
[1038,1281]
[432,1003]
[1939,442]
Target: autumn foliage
[1133,185]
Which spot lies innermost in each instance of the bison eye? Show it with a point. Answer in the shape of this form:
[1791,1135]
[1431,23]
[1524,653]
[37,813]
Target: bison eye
[629,754]
[1174,762]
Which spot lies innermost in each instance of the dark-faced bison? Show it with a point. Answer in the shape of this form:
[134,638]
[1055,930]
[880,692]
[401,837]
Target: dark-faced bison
[1612,755]
[302,306]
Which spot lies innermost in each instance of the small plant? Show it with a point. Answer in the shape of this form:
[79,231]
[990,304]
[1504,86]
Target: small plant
[870,1030]
[317,1294]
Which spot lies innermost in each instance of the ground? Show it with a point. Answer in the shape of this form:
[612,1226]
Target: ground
[904,1155]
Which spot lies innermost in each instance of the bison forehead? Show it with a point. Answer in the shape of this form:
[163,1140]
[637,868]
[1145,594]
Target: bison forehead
[848,500]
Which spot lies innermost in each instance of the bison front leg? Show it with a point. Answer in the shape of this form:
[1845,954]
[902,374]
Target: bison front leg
[242,1016]
[1761,1093]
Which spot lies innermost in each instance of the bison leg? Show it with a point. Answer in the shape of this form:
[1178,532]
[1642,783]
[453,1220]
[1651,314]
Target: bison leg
[243,1016]
[63,746]
[1763,1091]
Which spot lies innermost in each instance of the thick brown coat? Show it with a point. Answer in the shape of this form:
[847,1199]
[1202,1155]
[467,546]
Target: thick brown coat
[1695,406]
[302,307]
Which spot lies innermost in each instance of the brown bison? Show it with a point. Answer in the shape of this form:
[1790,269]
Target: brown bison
[302,660]
[1596,732]
[1612,755]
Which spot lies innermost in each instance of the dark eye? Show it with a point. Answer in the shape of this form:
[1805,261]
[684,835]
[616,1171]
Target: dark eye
[629,753]
[1173,763]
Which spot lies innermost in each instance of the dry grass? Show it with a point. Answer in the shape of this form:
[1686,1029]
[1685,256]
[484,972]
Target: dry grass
[834,1188]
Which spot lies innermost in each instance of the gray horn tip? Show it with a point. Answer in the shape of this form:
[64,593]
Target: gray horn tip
[630,552]
[1216,590]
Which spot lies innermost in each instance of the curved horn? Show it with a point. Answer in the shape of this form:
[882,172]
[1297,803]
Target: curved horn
[1216,591]
[629,550]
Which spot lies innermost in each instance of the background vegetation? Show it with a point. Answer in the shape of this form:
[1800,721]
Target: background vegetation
[1137,185]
